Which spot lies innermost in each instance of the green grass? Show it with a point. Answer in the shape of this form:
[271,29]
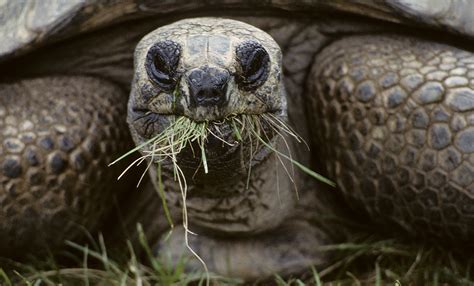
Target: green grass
[94,265]
[395,262]
[367,260]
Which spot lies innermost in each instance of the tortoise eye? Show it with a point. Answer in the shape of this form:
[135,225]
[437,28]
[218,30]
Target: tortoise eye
[161,64]
[254,62]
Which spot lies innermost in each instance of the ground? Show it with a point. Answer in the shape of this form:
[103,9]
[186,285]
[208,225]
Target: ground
[367,259]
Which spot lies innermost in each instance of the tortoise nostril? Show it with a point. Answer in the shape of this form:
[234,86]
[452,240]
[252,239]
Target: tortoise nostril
[214,95]
[208,86]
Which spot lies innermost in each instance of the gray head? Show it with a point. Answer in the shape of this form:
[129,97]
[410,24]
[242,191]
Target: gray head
[206,69]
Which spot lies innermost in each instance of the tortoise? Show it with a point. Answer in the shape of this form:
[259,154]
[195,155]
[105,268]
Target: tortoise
[383,92]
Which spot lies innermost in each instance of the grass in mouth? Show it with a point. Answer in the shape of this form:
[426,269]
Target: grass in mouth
[184,132]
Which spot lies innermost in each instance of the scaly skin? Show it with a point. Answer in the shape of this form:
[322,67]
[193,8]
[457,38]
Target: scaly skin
[398,130]
[58,135]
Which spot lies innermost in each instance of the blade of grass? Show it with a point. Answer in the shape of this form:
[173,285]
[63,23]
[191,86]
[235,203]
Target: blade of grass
[299,165]
[316,277]
[84,265]
[5,278]
[161,193]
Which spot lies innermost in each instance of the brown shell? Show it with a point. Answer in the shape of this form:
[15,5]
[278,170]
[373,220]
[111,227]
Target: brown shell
[25,25]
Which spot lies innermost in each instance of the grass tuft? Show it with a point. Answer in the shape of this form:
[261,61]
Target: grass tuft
[184,132]
[366,260]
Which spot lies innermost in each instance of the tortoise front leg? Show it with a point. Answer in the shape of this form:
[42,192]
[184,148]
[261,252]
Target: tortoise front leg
[57,136]
[394,121]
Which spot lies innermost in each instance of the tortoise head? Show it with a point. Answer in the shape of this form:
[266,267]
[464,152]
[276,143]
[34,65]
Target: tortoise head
[206,70]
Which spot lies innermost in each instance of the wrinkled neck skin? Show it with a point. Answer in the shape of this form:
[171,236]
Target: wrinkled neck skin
[238,203]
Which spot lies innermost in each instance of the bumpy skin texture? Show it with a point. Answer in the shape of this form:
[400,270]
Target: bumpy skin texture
[395,123]
[57,136]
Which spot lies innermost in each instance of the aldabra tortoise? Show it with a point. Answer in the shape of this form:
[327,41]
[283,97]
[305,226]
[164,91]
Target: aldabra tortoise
[383,92]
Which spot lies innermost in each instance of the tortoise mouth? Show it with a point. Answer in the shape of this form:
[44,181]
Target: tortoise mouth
[231,146]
